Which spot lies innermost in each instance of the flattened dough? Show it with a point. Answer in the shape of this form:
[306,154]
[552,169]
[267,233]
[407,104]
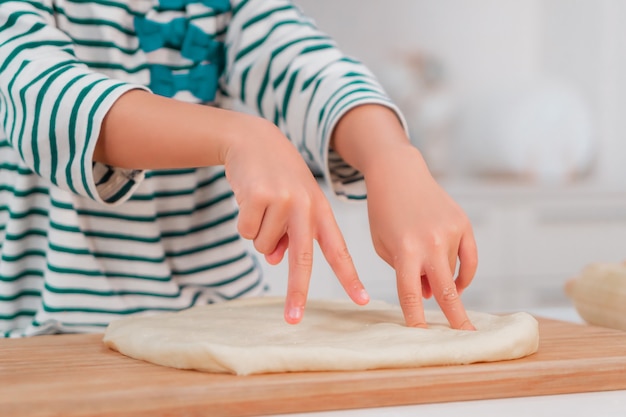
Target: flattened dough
[249,336]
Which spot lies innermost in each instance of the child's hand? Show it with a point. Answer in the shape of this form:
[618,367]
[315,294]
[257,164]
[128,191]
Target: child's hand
[416,227]
[282,207]
[420,231]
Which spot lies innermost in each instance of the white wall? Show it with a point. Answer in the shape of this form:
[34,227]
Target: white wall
[487,43]
[479,41]
[584,41]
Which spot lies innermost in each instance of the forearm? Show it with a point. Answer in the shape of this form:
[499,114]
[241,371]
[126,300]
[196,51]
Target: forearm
[146,131]
[370,135]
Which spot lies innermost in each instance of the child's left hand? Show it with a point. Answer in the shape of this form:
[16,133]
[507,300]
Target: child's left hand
[420,231]
[416,227]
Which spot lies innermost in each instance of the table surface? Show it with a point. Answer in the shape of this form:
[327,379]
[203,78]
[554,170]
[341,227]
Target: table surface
[44,376]
[605,404]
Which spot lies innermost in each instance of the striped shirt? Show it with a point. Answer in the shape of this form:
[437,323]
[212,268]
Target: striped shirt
[83,243]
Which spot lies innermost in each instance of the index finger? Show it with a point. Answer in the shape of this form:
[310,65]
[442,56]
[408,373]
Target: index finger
[300,256]
[336,252]
[409,283]
[445,292]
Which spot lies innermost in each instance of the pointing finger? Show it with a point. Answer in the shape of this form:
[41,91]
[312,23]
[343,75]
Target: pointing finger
[408,277]
[447,296]
[336,252]
[300,255]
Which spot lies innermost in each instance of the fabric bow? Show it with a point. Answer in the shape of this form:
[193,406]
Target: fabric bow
[198,46]
[194,43]
[201,81]
[154,35]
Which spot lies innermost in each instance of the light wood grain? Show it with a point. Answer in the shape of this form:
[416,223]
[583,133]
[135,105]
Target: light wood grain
[75,375]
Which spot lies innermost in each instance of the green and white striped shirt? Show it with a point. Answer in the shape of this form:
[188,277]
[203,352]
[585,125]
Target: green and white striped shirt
[83,243]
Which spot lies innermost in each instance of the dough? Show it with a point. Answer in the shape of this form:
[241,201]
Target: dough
[599,294]
[249,336]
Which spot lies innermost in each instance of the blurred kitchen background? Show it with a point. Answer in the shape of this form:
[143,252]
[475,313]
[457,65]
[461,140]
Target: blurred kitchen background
[519,107]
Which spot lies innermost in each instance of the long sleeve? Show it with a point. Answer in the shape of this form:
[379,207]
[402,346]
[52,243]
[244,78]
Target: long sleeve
[52,105]
[286,70]
[73,264]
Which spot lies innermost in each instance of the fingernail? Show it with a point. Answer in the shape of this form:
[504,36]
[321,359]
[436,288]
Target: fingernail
[295,313]
[364,296]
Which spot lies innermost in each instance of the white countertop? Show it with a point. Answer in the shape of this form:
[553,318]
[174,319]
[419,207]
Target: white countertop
[594,404]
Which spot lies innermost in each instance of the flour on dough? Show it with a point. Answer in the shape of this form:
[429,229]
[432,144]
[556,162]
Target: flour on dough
[249,336]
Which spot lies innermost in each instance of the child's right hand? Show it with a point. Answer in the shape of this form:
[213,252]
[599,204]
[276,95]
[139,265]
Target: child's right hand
[282,207]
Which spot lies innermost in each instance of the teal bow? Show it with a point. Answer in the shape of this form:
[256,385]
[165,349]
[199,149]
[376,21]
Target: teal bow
[201,81]
[154,35]
[198,46]
[219,6]
[193,42]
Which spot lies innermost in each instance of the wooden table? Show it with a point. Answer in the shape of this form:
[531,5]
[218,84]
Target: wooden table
[75,375]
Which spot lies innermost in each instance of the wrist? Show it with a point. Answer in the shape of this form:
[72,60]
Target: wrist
[393,160]
[240,131]
[371,137]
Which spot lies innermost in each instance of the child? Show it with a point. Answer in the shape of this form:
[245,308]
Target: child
[117,183]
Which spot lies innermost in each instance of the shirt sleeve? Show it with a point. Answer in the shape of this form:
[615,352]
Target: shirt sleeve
[283,68]
[52,105]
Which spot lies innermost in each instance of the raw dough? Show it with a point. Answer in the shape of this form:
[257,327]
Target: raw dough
[599,294]
[249,336]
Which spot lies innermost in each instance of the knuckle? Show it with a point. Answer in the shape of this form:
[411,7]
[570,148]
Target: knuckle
[409,247]
[454,228]
[437,241]
[304,260]
[403,276]
[259,193]
[282,197]
[411,300]
[264,194]
[246,229]
[412,308]
[449,295]
[262,247]
[342,254]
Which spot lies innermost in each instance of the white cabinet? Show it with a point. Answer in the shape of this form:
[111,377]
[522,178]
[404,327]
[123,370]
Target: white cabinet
[532,239]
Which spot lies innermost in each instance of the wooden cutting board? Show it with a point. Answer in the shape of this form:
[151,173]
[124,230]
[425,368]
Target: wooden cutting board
[75,375]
